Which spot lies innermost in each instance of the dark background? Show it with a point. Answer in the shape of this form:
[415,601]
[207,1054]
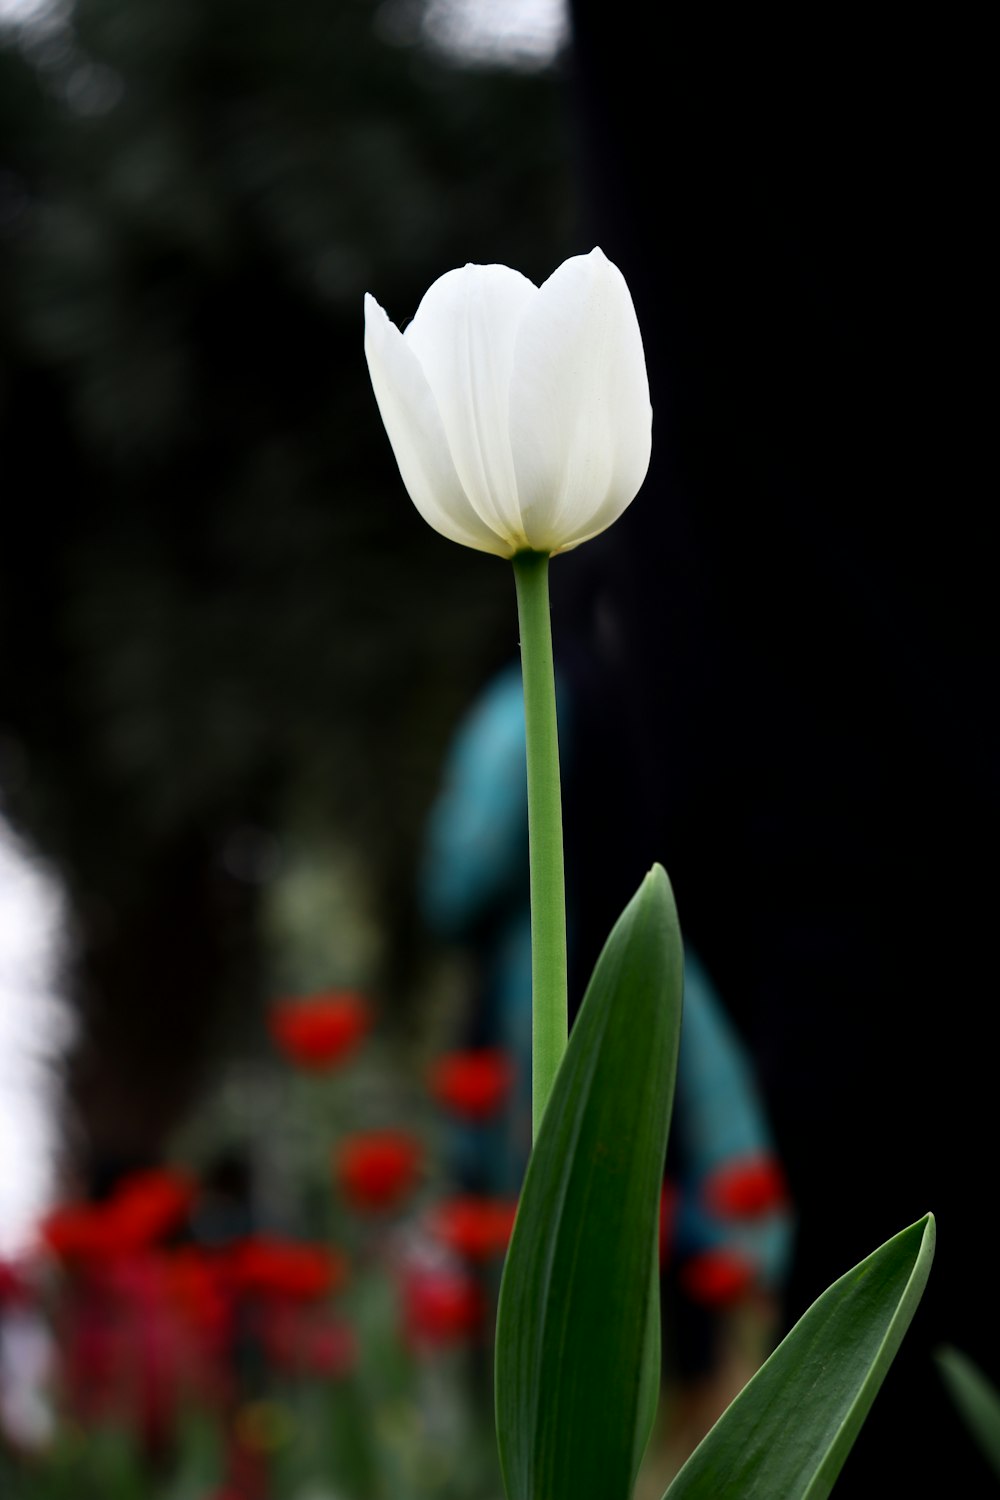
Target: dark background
[222,620]
[805,623]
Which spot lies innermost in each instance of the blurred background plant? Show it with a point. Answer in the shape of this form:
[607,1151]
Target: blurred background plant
[217,717]
[169,1340]
[220,729]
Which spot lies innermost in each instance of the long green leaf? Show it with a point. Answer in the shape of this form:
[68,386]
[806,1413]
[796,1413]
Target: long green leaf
[790,1429]
[576,1330]
[651,1369]
[977,1400]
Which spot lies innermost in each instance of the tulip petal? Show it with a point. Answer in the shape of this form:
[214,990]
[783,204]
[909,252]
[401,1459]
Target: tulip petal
[580,419]
[463,335]
[413,422]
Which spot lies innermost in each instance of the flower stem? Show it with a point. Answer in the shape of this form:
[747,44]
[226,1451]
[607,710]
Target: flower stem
[545,840]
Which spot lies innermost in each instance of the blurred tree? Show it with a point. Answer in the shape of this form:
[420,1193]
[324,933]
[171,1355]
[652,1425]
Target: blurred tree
[211,572]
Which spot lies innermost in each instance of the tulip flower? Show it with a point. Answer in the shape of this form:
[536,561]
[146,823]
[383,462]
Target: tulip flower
[519,415]
[520,420]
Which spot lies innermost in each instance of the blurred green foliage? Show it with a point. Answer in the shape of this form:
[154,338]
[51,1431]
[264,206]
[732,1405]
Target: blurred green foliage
[223,624]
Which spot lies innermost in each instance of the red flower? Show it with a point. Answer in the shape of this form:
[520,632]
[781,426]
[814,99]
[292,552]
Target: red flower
[746,1188]
[321,1030]
[378,1169]
[132,1353]
[299,1338]
[147,1206]
[79,1233]
[144,1209]
[717,1278]
[197,1284]
[267,1267]
[440,1306]
[472,1085]
[477,1228]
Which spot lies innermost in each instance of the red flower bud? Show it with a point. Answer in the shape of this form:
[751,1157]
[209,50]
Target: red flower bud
[746,1188]
[322,1030]
[269,1267]
[377,1170]
[78,1233]
[472,1085]
[144,1209]
[440,1306]
[147,1206]
[717,1278]
[475,1227]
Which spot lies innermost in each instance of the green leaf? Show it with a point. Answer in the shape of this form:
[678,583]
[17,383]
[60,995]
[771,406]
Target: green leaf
[650,1370]
[790,1429]
[577,1325]
[977,1400]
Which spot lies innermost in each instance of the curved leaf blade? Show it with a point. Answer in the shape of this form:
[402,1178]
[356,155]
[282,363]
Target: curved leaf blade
[577,1324]
[790,1429]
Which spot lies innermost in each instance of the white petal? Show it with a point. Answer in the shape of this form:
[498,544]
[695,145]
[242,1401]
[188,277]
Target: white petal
[463,334]
[413,423]
[580,419]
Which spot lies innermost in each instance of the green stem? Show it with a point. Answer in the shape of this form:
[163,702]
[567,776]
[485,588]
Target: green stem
[545,841]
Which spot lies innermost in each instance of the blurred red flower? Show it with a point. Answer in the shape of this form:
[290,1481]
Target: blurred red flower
[376,1170]
[473,1085]
[144,1209]
[319,1031]
[717,1278]
[148,1206]
[302,1339]
[270,1267]
[198,1285]
[746,1188]
[78,1232]
[475,1227]
[440,1306]
[131,1350]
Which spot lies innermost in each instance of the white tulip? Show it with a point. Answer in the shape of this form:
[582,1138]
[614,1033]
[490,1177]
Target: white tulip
[519,415]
